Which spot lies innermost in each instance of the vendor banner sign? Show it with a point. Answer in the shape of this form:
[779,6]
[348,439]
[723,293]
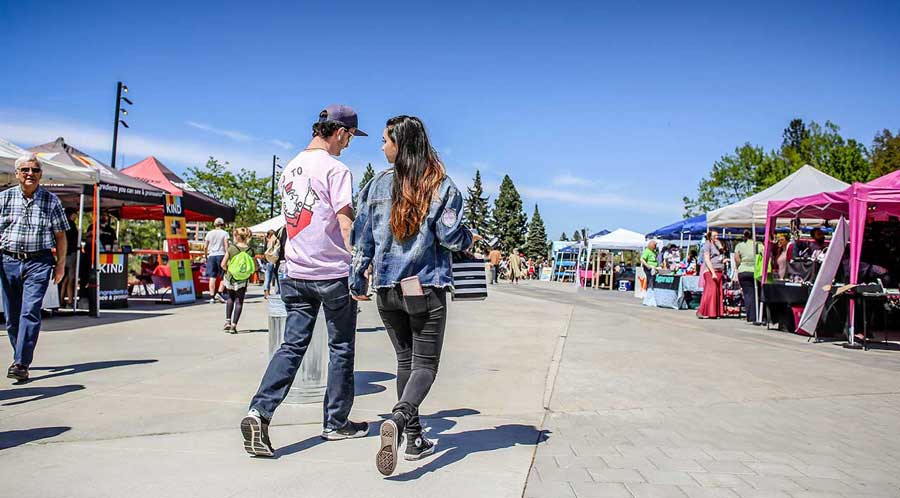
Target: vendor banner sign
[179,252]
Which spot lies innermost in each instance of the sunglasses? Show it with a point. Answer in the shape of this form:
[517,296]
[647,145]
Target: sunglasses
[30,170]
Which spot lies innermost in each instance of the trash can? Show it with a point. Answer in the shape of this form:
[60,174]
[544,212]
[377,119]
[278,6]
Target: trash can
[309,384]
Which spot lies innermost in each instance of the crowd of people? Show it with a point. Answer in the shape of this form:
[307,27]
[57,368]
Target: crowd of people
[515,266]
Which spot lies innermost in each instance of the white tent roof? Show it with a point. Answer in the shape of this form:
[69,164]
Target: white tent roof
[54,172]
[618,240]
[270,224]
[805,181]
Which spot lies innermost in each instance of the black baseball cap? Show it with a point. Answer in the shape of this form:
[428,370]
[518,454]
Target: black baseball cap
[344,115]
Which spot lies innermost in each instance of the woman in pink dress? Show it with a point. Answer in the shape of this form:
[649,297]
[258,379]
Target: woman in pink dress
[712,265]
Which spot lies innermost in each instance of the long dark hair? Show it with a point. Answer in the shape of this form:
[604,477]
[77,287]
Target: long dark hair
[418,173]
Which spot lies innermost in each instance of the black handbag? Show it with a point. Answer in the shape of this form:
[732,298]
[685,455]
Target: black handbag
[469,278]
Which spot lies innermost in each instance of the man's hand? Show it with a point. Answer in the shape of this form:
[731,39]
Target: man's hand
[59,272]
[476,237]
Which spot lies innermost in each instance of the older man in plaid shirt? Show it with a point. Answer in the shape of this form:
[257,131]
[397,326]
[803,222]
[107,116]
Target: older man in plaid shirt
[32,221]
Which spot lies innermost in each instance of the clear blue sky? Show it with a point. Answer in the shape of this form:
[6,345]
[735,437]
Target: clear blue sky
[603,113]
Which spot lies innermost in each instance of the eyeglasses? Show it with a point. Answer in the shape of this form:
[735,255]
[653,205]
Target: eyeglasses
[30,170]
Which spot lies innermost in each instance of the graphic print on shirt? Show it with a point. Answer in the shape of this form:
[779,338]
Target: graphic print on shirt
[298,213]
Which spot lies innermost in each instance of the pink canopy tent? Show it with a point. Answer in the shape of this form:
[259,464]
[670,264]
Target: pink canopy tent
[859,203]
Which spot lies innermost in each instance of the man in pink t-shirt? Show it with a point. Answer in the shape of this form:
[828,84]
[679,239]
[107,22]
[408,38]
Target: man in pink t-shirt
[316,199]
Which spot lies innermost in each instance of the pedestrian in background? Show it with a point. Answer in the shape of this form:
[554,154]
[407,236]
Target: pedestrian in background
[237,277]
[495,256]
[410,220]
[272,247]
[32,222]
[317,199]
[712,303]
[745,258]
[515,266]
[649,263]
[214,246]
[67,286]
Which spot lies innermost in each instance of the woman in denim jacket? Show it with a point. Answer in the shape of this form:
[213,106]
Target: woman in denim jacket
[408,224]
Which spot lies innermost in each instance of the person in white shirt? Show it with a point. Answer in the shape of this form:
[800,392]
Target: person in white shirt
[216,243]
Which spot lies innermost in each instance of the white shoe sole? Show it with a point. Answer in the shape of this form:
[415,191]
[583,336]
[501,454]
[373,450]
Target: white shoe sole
[251,429]
[386,458]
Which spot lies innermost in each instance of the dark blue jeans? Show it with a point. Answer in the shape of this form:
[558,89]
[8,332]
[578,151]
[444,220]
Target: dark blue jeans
[24,284]
[302,299]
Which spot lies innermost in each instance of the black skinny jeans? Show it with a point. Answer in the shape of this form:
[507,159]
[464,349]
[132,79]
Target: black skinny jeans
[749,289]
[417,338]
[234,303]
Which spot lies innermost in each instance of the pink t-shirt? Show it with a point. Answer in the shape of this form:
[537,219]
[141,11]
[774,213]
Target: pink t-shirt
[314,187]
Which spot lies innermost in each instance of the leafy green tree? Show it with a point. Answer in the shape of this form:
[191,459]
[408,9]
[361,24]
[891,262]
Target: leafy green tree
[249,194]
[564,237]
[536,242]
[142,234]
[733,177]
[366,178]
[508,220]
[795,139]
[844,159]
[885,153]
[476,211]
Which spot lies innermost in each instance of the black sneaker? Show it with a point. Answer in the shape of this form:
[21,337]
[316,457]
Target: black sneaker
[391,435]
[255,430]
[349,431]
[418,447]
[17,372]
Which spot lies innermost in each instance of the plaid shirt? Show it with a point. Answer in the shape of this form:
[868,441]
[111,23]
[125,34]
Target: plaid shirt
[28,225]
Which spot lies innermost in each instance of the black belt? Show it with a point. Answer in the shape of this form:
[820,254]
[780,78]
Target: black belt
[23,256]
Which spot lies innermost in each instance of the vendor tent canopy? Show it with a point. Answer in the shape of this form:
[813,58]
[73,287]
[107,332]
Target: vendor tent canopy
[619,239]
[270,224]
[690,228]
[116,188]
[54,171]
[197,205]
[859,203]
[752,210]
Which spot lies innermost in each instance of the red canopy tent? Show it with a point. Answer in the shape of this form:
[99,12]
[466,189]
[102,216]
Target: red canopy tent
[197,205]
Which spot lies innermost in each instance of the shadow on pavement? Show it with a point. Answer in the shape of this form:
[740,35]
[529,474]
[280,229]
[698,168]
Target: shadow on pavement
[455,447]
[11,439]
[370,329]
[35,393]
[85,367]
[64,321]
[365,382]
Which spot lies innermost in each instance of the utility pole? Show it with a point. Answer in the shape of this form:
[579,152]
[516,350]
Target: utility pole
[120,89]
[272,200]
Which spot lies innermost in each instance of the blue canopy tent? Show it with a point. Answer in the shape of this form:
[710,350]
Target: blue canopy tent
[690,228]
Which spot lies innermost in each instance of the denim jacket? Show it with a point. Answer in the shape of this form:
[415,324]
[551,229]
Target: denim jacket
[426,254]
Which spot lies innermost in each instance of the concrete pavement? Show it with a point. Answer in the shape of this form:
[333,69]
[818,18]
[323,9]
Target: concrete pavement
[147,403]
[642,402]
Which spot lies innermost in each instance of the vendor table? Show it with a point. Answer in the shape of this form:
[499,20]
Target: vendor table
[784,302]
[669,291]
[113,270]
[51,298]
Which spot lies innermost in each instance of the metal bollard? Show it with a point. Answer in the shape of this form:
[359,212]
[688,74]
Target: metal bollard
[309,385]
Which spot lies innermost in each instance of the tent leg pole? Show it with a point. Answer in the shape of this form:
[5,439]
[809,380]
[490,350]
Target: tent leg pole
[756,302]
[78,253]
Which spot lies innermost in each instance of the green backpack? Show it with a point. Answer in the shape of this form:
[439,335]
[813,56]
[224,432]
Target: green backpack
[241,266]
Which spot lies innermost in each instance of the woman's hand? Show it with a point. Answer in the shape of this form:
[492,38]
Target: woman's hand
[361,298]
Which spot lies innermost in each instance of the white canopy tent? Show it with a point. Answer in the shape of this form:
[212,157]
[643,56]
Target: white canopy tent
[53,171]
[751,212]
[619,239]
[270,224]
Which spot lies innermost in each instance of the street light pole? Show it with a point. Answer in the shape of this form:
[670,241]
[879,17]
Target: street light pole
[120,88]
[272,200]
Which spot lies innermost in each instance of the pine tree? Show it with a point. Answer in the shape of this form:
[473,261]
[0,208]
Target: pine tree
[476,212]
[536,245]
[366,178]
[564,237]
[576,236]
[508,220]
